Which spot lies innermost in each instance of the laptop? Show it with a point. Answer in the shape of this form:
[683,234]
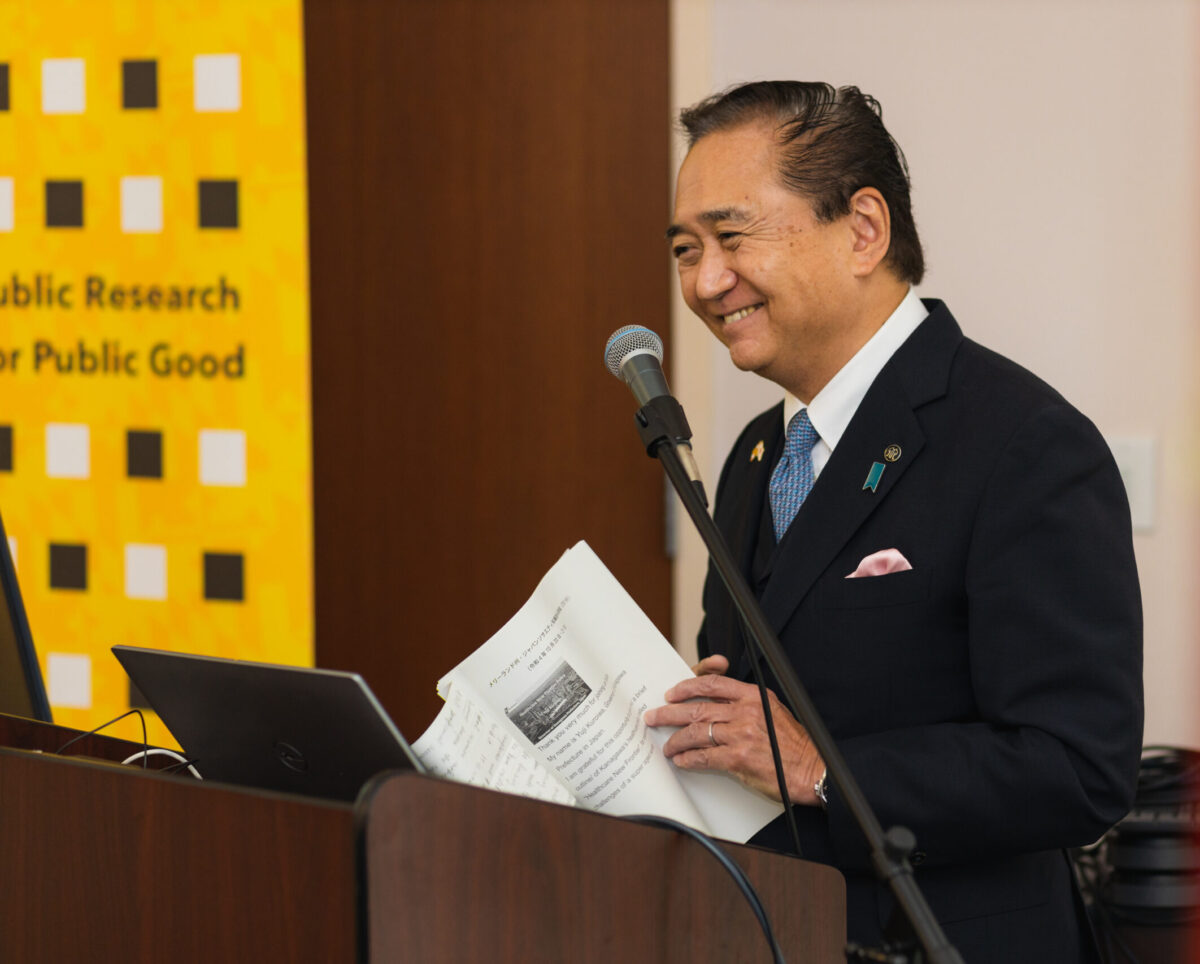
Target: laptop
[313,732]
[22,689]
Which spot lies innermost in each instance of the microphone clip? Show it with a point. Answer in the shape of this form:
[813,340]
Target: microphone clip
[662,421]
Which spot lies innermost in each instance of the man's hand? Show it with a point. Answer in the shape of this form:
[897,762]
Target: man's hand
[716,665]
[723,729]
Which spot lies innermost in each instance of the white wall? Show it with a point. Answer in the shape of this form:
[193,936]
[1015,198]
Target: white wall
[1054,147]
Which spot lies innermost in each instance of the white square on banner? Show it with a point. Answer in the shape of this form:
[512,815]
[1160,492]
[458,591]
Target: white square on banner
[63,86]
[222,457]
[69,680]
[145,571]
[141,205]
[6,203]
[68,451]
[217,80]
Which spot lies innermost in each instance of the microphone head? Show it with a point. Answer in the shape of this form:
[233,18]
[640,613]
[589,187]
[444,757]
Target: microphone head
[630,340]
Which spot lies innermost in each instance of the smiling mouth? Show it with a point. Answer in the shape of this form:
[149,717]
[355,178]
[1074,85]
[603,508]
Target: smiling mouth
[741,313]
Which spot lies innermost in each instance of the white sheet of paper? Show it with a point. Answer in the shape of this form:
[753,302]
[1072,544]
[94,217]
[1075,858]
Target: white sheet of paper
[571,675]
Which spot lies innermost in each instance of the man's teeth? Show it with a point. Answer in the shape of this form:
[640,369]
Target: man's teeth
[741,313]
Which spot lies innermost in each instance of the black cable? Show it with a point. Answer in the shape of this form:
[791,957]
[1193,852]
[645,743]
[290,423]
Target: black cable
[115,719]
[769,722]
[731,868]
[176,767]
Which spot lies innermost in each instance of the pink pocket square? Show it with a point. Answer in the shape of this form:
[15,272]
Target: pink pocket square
[881,563]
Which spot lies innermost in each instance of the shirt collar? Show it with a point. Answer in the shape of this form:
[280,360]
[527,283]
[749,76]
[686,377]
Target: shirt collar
[835,404]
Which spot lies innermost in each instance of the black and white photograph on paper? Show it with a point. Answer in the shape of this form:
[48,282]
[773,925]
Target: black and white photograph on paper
[550,702]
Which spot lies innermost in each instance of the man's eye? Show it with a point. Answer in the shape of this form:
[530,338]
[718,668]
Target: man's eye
[685,253]
[725,237]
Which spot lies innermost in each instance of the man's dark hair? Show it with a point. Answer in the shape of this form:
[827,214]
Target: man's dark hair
[832,143]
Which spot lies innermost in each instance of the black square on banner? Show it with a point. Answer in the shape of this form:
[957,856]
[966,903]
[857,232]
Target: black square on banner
[139,84]
[3,86]
[68,566]
[223,576]
[64,204]
[218,204]
[5,448]
[143,454]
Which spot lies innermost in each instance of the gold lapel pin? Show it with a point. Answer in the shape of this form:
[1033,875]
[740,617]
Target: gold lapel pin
[757,454]
[892,453]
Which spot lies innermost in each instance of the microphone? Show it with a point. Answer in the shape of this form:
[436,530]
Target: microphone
[634,354]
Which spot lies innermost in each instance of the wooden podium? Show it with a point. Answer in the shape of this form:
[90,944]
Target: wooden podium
[101,862]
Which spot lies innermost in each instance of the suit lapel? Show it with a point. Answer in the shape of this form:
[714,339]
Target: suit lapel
[839,504]
[758,473]
[740,516]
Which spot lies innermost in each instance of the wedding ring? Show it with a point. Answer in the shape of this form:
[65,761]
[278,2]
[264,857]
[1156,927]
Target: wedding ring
[712,739]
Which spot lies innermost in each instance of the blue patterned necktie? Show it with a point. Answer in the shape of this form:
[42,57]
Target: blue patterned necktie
[793,476]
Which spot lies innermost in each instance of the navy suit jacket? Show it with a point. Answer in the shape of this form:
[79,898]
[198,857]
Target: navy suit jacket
[990,699]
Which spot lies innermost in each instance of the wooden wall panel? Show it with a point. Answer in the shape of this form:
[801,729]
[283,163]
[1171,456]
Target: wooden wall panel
[488,189]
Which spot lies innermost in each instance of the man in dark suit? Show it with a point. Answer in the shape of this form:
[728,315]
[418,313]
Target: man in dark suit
[944,552]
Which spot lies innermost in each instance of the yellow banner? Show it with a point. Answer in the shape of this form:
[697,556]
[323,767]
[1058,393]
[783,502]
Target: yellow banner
[154,338]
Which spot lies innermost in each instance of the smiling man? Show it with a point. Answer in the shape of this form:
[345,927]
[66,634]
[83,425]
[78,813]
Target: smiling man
[940,541]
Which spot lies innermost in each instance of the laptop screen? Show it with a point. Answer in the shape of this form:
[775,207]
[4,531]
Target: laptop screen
[22,691]
[314,732]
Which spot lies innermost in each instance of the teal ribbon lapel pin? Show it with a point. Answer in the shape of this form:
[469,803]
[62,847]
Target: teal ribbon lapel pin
[890,454]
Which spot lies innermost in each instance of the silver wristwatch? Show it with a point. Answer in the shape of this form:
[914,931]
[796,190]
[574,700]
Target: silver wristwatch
[819,788]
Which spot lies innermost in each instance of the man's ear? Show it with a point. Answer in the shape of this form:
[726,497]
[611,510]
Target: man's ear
[871,230]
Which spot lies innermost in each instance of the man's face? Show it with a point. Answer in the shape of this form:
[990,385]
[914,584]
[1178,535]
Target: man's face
[770,281]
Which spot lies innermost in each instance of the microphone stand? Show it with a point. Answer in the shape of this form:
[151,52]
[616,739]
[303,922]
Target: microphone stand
[890,850]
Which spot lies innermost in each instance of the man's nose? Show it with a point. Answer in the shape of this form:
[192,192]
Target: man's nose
[715,276]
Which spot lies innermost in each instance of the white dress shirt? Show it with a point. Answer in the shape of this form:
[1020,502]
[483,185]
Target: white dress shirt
[835,404]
